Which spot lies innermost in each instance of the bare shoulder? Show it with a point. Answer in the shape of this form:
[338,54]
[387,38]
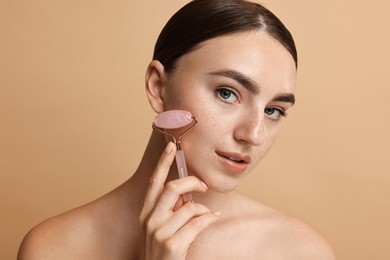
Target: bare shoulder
[286,237]
[296,238]
[55,237]
[93,231]
[256,231]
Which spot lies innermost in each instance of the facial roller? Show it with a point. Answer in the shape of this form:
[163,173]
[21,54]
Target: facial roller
[174,119]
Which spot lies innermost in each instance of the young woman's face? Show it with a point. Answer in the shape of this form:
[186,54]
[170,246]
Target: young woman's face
[238,87]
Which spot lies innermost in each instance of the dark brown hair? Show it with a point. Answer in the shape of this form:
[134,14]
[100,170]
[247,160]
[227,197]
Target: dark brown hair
[201,20]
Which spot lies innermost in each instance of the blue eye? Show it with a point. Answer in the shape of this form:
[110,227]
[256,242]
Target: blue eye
[274,113]
[227,95]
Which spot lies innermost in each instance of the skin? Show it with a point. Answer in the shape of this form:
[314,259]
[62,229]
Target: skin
[146,218]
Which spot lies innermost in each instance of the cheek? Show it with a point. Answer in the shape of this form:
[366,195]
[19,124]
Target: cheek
[273,134]
[269,142]
[203,133]
[174,98]
[204,137]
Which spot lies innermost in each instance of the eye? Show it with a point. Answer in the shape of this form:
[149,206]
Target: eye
[275,113]
[227,95]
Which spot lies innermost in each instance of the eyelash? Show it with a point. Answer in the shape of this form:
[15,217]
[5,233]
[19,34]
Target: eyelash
[230,91]
[281,111]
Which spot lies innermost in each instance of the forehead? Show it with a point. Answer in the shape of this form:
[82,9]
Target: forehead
[254,53]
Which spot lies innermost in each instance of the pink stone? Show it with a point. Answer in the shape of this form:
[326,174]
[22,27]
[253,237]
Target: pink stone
[173,119]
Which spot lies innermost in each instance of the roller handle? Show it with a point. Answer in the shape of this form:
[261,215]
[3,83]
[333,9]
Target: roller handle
[182,170]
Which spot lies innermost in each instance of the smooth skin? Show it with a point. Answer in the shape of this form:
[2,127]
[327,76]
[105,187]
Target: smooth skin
[238,87]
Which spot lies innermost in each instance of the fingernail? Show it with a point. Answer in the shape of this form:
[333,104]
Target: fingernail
[204,185]
[168,148]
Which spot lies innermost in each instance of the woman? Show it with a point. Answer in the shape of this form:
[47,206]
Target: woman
[232,64]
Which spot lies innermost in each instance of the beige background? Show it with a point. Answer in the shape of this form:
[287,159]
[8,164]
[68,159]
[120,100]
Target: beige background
[74,118]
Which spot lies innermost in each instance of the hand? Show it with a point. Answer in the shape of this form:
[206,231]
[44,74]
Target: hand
[168,226]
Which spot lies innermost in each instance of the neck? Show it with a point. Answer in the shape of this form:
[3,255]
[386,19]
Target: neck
[140,179]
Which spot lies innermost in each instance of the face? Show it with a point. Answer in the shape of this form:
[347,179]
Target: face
[238,87]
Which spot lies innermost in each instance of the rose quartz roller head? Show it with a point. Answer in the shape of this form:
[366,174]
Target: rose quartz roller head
[174,119]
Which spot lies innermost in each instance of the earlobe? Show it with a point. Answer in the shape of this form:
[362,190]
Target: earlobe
[154,83]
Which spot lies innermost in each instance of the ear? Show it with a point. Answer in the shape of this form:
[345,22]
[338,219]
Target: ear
[155,88]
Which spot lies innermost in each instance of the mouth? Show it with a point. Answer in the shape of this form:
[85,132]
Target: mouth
[234,161]
[235,157]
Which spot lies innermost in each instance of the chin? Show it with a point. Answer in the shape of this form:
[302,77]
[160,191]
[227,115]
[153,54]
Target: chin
[217,178]
[222,184]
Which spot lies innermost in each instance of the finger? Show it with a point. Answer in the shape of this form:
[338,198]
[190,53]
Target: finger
[179,203]
[158,178]
[179,219]
[174,189]
[170,196]
[182,239]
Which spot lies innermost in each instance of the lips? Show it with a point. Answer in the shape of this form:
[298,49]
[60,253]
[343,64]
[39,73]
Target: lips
[234,162]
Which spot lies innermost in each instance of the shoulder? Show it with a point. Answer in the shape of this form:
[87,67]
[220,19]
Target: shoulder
[256,231]
[58,237]
[99,230]
[286,237]
[294,239]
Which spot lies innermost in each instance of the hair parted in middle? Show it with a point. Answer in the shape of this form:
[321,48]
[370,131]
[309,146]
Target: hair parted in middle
[201,20]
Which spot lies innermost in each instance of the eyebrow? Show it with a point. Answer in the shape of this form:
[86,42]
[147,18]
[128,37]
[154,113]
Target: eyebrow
[240,78]
[287,97]
[252,86]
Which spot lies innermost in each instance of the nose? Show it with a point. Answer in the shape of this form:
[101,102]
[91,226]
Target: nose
[251,130]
